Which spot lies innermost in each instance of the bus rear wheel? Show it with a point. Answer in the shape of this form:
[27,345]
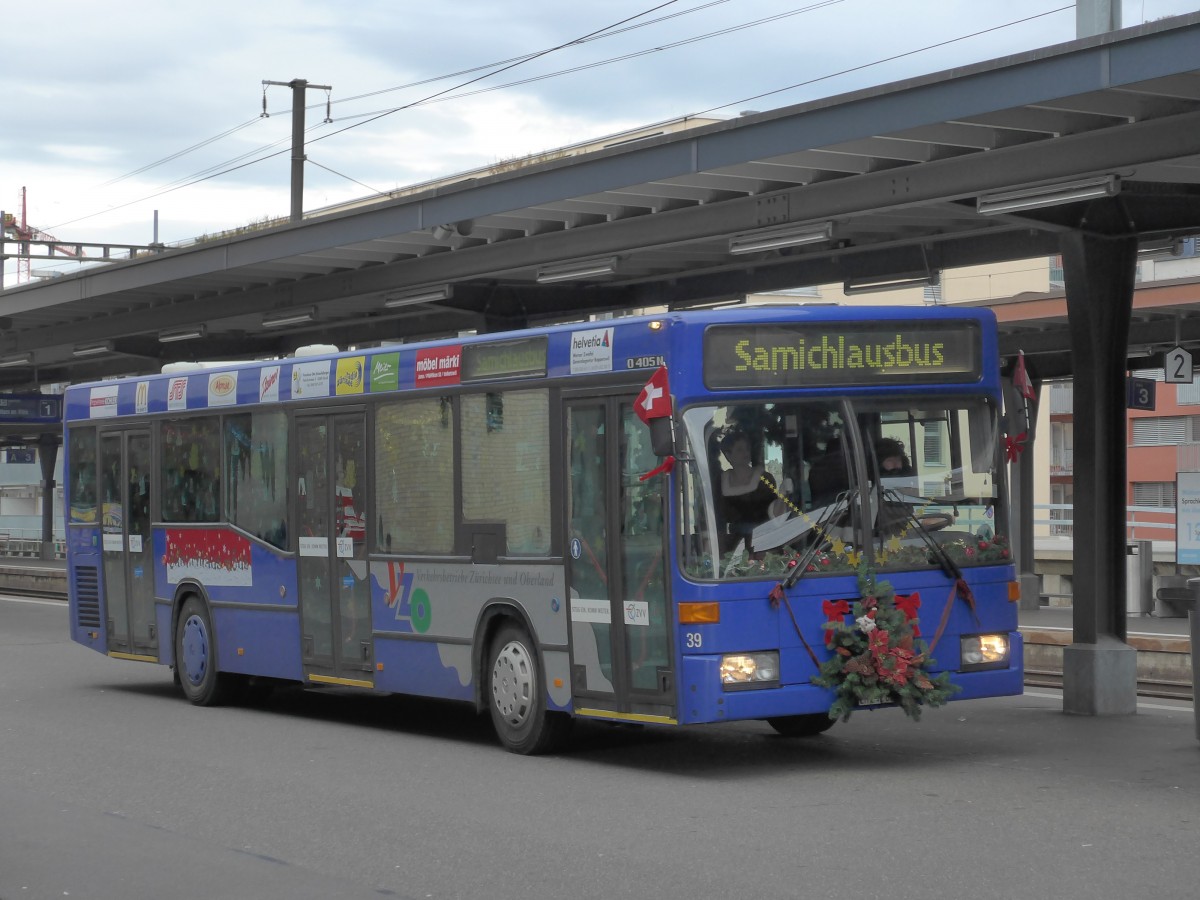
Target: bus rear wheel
[196,657]
[802,726]
[517,697]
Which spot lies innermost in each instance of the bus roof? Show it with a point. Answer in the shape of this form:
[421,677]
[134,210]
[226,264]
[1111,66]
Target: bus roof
[628,345]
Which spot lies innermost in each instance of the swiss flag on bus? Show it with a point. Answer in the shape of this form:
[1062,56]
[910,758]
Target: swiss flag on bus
[1021,380]
[654,402]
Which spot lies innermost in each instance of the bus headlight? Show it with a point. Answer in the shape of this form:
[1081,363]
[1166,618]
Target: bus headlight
[984,651]
[750,670]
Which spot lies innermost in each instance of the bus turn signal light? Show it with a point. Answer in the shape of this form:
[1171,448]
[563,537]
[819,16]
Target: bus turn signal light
[699,613]
[1014,591]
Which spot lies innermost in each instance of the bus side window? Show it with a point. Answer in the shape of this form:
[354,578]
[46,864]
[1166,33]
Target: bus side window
[508,433]
[191,470]
[414,476]
[82,477]
[256,464]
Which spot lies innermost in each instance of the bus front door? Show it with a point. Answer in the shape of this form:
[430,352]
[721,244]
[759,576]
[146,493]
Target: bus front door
[335,598]
[616,566]
[127,552]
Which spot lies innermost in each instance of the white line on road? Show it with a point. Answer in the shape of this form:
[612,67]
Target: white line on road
[1183,703]
[30,600]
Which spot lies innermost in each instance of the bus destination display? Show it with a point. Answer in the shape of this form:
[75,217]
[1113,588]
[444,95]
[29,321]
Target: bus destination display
[833,353]
[524,358]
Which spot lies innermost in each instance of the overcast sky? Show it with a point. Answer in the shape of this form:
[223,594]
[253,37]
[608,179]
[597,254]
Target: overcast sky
[110,107]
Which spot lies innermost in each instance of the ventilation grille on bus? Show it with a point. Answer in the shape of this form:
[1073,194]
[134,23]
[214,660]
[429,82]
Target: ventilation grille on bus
[87,596]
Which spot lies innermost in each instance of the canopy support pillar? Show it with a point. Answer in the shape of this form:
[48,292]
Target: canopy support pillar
[1099,668]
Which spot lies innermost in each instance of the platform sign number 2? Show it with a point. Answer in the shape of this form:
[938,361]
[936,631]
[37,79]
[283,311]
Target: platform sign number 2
[1177,366]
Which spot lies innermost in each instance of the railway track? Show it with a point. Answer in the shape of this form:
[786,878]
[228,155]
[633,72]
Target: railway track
[1169,690]
[26,593]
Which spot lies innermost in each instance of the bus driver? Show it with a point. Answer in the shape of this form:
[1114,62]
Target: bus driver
[746,490]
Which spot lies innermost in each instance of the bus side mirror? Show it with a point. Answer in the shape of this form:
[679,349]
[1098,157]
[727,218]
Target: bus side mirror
[662,436]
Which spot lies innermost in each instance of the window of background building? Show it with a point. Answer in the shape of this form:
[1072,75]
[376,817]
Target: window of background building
[506,466]
[1154,493]
[414,476]
[1188,394]
[1062,497]
[932,445]
[1062,398]
[1158,431]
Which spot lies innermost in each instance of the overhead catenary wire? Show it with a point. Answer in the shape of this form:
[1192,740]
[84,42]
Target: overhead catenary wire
[504,68]
[595,36]
[444,96]
[526,56]
[373,116]
[456,92]
[886,59]
[343,175]
[603,33]
[605,62]
[450,93]
[184,152]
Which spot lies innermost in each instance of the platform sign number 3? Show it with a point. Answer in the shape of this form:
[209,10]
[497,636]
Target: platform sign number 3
[1139,393]
[1177,366]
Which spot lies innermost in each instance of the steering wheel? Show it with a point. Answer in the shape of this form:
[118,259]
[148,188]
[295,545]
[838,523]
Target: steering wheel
[936,521]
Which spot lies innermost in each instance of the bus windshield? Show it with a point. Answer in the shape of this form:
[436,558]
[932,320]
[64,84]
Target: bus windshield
[828,484]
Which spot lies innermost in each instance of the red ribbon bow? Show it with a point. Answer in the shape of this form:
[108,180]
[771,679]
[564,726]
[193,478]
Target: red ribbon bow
[665,469]
[1014,445]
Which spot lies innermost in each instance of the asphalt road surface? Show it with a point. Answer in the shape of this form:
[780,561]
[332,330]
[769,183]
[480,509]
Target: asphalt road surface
[111,786]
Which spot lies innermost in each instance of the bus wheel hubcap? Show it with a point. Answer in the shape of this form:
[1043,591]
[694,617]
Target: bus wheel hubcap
[512,683]
[195,650]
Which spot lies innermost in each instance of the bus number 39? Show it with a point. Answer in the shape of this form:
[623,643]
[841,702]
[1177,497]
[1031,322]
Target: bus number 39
[694,639]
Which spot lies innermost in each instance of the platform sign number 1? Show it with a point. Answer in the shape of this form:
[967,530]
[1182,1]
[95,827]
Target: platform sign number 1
[1177,366]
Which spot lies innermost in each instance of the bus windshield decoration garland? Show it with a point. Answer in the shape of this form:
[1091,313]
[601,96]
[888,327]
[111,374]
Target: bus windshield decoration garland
[704,516]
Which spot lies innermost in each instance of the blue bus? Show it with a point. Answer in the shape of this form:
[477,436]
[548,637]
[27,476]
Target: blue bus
[490,519]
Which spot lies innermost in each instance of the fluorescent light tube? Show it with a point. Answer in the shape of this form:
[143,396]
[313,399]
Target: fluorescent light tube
[578,269]
[776,238]
[428,295]
[291,317]
[899,283]
[182,334]
[1047,195]
[93,349]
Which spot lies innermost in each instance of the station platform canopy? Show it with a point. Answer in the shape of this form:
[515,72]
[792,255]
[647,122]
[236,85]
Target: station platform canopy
[980,164]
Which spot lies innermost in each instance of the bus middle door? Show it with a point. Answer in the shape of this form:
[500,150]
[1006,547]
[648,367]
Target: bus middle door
[127,552]
[616,567]
[335,597]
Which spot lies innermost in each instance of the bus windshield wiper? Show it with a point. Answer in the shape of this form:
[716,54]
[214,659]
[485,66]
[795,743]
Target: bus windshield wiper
[948,566]
[821,532]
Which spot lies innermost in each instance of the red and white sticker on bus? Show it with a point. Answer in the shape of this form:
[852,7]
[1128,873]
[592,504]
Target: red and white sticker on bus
[103,402]
[268,384]
[438,366]
[177,393]
[222,389]
[212,556]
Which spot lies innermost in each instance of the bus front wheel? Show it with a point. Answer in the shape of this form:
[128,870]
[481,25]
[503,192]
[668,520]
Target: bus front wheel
[517,697]
[195,656]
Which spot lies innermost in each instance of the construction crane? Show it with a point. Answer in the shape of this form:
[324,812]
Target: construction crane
[26,237]
[22,231]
